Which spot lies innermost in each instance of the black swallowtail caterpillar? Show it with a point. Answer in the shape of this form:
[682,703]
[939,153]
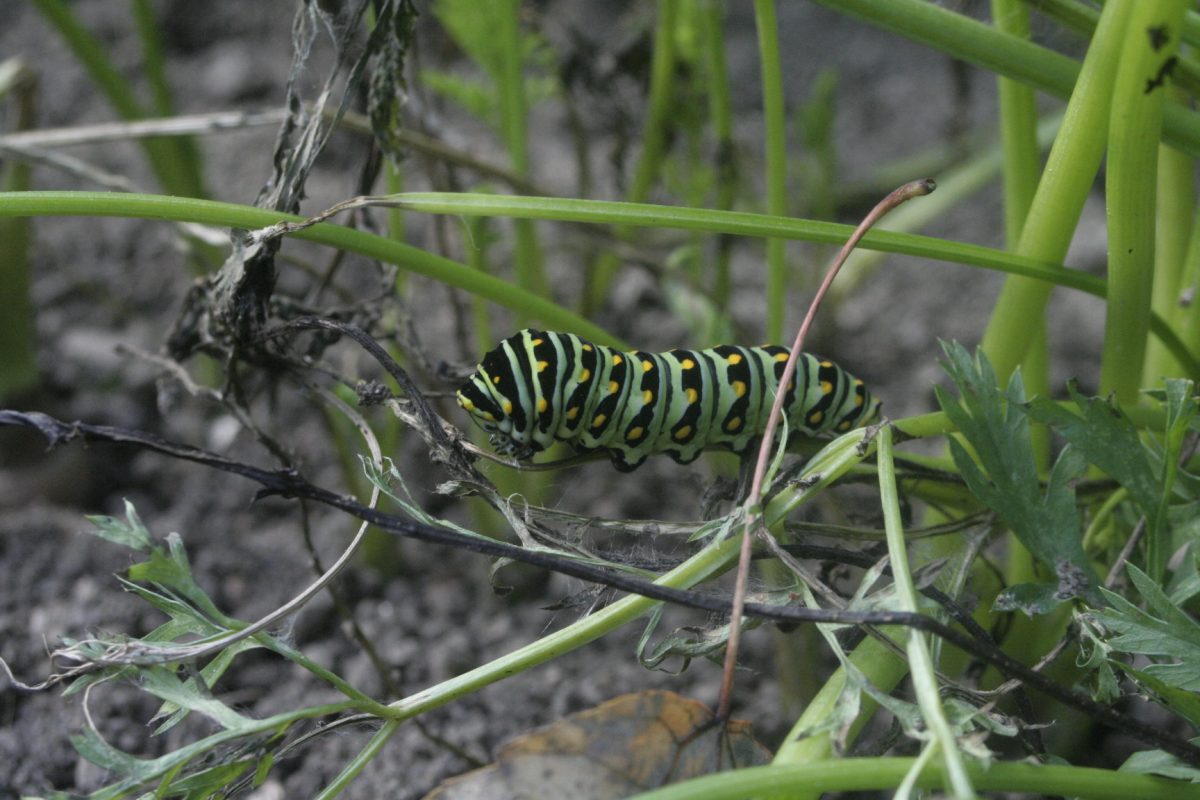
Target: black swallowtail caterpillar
[538,386]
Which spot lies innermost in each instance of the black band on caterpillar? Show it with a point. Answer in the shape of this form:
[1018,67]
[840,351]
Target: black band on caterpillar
[539,386]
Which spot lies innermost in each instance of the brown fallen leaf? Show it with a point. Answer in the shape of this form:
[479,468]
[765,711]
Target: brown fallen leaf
[626,745]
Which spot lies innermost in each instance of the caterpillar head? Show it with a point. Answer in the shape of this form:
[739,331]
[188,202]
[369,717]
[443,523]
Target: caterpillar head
[494,414]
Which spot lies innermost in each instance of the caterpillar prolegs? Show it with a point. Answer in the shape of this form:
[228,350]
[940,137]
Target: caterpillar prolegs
[539,386]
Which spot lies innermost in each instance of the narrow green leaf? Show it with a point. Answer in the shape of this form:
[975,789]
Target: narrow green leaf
[129,532]
[1156,762]
[209,782]
[1184,703]
[164,684]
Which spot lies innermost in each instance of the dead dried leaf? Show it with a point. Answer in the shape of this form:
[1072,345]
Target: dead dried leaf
[626,745]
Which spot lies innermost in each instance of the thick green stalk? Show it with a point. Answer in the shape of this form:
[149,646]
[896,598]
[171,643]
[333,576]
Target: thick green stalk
[880,665]
[1137,108]
[1081,17]
[1191,290]
[776,161]
[530,266]
[1176,208]
[997,52]
[1066,181]
[863,774]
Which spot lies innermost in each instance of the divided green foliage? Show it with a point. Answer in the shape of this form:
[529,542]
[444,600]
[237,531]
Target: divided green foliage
[1165,634]
[242,743]
[1109,440]
[1163,629]
[1003,475]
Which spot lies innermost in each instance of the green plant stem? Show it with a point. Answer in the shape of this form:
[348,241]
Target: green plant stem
[1130,191]
[654,140]
[154,67]
[837,458]
[924,675]
[530,266]
[721,114]
[954,186]
[18,341]
[167,157]
[33,204]
[1176,209]
[978,44]
[863,774]
[1190,289]
[880,665]
[775,122]
[1022,165]
[208,212]
[1070,170]
[1043,274]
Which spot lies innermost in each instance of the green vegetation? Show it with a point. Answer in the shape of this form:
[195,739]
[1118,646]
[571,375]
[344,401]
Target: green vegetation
[1065,528]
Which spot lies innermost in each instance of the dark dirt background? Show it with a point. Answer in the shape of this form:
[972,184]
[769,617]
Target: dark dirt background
[100,283]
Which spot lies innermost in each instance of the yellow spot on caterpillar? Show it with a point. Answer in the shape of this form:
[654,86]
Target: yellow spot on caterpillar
[826,387]
[683,432]
[826,364]
[692,395]
[613,387]
[542,365]
[647,397]
[636,433]
[733,424]
[496,379]
[598,421]
[736,358]
[507,407]
[844,426]
[781,356]
[859,400]
[739,388]
[815,417]
[647,366]
[687,363]
[617,359]
[542,405]
[585,375]
[465,403]
[573,412]
[587,348]
[489,416]
[536,342]
[858,382]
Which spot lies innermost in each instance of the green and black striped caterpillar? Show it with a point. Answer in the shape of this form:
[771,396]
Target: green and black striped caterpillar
[538,386]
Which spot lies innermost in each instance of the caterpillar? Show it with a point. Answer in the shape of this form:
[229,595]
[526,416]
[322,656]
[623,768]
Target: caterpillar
[539,386]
